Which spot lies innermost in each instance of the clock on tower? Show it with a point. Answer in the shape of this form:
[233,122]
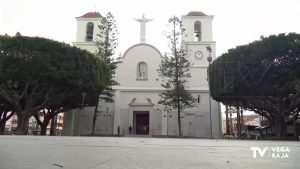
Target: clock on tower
[198,55]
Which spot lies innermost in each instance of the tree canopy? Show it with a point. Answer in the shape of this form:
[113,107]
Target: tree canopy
[38,73]
[262,76]
[107,43]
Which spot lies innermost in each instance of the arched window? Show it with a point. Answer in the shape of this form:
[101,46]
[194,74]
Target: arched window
[89,31]
[141,71]
[197,31]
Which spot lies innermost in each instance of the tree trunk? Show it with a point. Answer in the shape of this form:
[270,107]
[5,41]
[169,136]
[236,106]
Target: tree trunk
[43,129]
[2,123]
[231,128]
[295,127]
[227,120]
[94,116]
[44,125]
[238,125]
[179,121]
[52,126]
[242,117]
[2,128]
[283,130]
[22,128]
[280,126]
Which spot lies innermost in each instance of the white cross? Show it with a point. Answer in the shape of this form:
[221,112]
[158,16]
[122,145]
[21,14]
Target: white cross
[143,21]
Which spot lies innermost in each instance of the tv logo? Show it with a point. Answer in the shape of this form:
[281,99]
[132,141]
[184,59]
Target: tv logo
[261,152]
[272,152]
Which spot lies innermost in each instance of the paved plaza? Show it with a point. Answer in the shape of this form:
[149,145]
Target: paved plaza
[35,152]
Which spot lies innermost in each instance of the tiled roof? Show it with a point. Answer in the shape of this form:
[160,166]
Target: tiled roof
[196,13]
[91,15]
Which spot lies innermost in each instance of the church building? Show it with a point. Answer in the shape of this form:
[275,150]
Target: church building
[135,109]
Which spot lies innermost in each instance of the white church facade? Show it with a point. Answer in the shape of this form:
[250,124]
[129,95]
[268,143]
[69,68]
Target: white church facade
[135,110]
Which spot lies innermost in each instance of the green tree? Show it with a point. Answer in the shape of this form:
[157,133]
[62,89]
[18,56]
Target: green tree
[261,77]
[6,112]
[107,44]
[38,73]
[62,103]
[174,71]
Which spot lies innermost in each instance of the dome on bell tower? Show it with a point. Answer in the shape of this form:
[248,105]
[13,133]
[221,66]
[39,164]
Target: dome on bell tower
[196,13]
[91,15]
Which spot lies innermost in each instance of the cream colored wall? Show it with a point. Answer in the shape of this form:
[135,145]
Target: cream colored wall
[206,27]
[126,111]
[196,124]
[89,46]
[81,28]
[81,34]
[126,73]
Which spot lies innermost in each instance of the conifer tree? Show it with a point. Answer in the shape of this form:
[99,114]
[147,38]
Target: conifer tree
[174,71]
[107,44]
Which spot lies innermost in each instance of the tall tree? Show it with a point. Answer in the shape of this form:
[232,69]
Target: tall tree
[262,77]
[174,70]
[107,43]
[38,73]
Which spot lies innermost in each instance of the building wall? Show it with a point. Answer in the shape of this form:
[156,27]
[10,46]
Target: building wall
[206,23]
[81,34]
[89,46]
[196,121]
[126,73]
[81,28]
[134,94]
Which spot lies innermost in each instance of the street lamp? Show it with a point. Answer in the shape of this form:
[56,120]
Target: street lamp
[292,107]
[209,59]
[83,97]
[168,116]
[81,112]
[106,120]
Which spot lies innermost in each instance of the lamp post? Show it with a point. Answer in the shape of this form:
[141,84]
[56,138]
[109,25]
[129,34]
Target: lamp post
[292,107]
[167,123]
[82,101]
[209,59]
[81,111]
[106,120]
[168,116]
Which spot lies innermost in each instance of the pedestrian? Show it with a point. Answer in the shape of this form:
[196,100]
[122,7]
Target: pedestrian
[130,129]
[118,131]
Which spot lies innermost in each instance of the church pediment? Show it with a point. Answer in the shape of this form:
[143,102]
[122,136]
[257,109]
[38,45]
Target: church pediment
[141,102]
[140,45]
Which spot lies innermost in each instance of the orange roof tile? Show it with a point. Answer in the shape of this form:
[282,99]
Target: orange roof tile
[91,15]
[196,13]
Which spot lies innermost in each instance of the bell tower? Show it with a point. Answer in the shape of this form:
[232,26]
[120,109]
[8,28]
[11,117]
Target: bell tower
[198,26]
[87,30]
[197,36]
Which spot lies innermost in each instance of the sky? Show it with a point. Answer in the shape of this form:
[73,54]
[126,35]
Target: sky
[236,22]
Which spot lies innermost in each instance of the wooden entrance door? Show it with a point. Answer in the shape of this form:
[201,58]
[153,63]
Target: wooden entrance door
[142,123]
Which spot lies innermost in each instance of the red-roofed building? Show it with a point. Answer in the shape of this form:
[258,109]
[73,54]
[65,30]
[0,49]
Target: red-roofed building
[87,31]
[91,15]
[196,13]
[135,109]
